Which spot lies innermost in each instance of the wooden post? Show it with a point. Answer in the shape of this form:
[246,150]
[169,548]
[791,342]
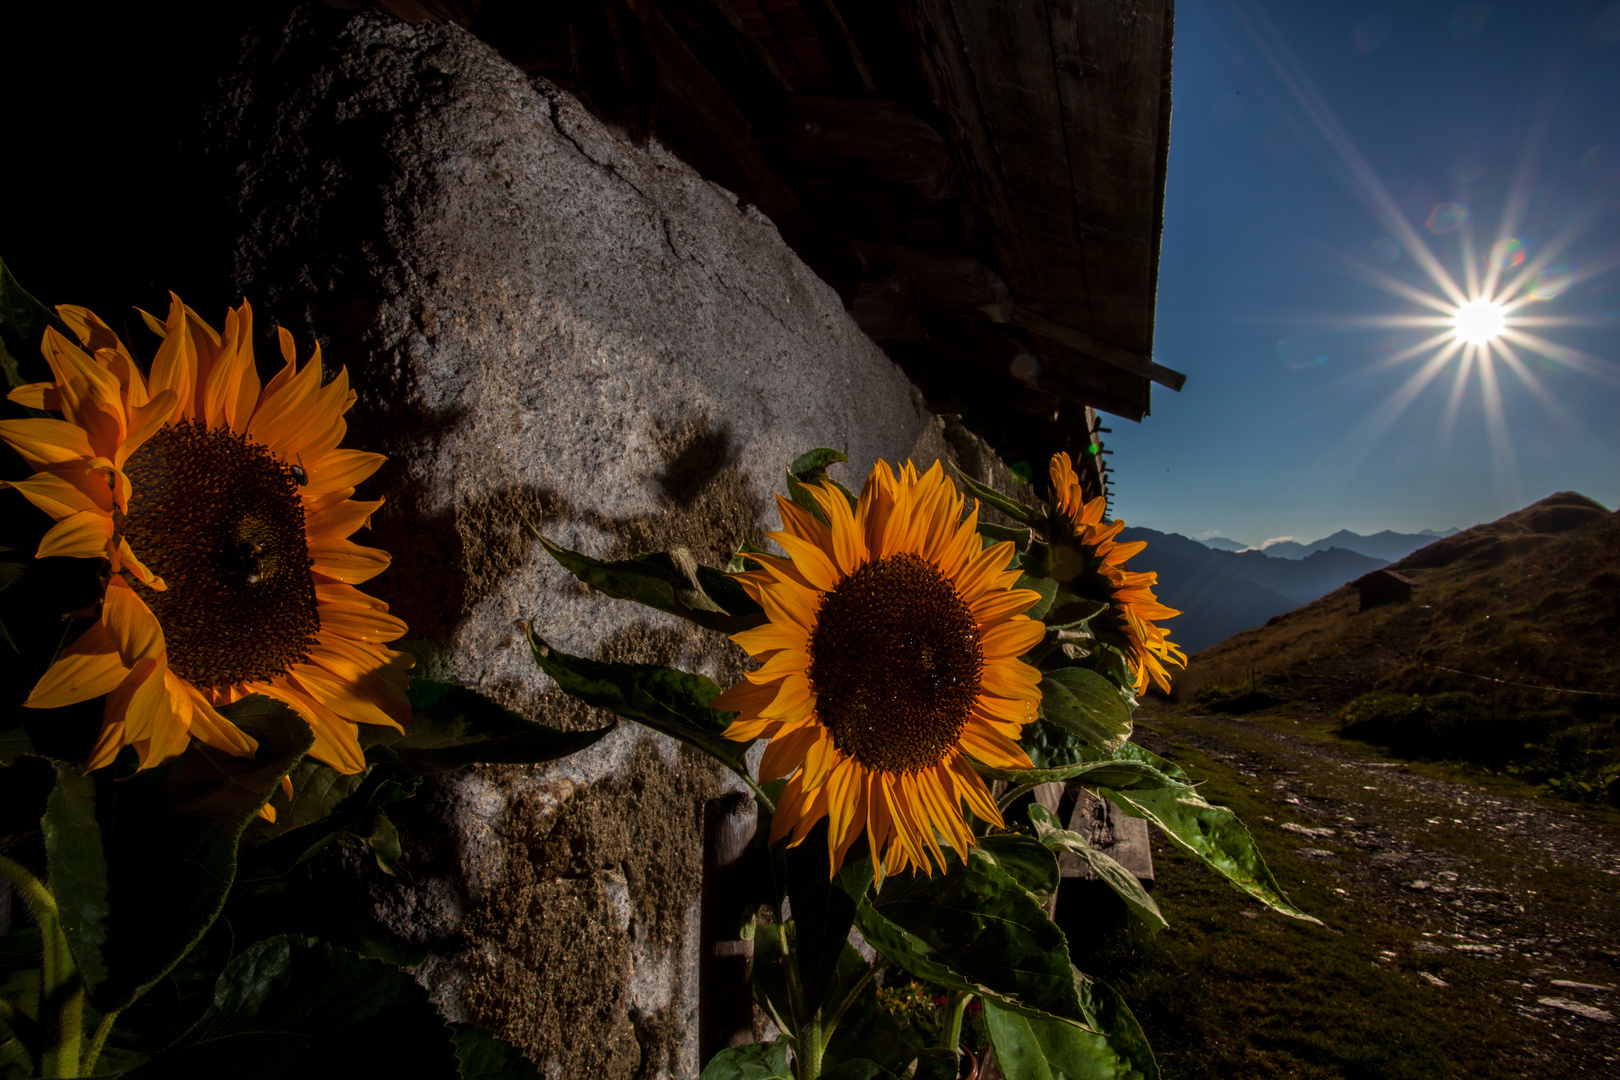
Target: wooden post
[725,970]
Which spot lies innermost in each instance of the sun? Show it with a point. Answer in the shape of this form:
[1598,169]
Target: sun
[1479,321]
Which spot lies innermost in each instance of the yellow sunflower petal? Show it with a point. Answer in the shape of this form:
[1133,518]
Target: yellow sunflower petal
[339,521]
[858,794]
[337,741]
[787,751]
[45,441]
[341,560]
[62,493]
[212,728]
[814,564]
[789,810]
[993,748]
[1011,678]
[141,706]
[344,698]
[339,469]
[82,535]
[134,629]
[772,636]
[88,668]
[361,624]
[174,365]
[745,697]
[39,395]
[820,758]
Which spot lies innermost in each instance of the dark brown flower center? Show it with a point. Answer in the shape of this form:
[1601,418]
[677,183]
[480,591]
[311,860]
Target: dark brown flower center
[895,662]
[219,519]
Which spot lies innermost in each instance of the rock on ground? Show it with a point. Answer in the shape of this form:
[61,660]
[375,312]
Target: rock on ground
[546,326]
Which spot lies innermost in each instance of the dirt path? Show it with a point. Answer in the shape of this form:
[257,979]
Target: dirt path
[1510,903]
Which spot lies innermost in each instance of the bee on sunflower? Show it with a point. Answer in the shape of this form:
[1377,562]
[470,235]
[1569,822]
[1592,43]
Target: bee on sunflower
[891,656]
[223,508]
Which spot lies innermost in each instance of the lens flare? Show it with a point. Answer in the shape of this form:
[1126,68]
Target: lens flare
[1508,253]
[1550,282]
[1447,217]
[1478,321]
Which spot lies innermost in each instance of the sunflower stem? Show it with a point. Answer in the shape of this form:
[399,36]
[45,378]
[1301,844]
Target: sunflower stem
[1013,795]
[93,1052]
[759,792]
[61,992]
[812,1047]
[953,1033]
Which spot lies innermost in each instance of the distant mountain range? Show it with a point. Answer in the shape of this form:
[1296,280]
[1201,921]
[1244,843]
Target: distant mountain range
[1386,545]
[1223,592]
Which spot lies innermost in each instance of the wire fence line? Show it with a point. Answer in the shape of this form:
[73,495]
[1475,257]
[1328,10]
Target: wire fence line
[1527,686]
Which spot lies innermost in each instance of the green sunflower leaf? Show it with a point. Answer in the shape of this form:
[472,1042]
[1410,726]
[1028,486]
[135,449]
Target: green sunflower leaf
[452,727]
[822,911]
[1100,772]
[738,564]
[1026,861]
[858,1069]
[751,1061]
[1087,705]
[483,1055]
[171,846]
[811,467]
[22,327]
[1029,515]
[668,581]
[1126,885]
[868,1030]
[287,1001]
[974,928]
[996,534]
[1043,585]
[664,699]
[319,814]
[1069,611]
[1031,1048]
[76,868]
[1211,833]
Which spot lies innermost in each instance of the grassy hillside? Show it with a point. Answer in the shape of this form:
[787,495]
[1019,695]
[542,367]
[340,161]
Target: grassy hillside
[1533,598]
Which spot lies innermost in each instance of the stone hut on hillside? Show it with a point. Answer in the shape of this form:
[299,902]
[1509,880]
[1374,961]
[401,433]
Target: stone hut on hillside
[604,268]
[1383,587]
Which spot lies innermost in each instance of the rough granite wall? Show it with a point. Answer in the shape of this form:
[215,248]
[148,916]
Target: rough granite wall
[546,325]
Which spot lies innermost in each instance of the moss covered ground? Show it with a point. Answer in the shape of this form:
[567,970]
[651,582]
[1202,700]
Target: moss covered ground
[1453,904]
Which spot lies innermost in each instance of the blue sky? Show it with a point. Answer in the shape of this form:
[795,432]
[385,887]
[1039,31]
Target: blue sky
[1316,150]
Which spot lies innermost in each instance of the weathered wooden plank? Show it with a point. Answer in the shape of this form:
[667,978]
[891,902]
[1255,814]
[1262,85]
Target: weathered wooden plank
[1120,836]
[704,125]
[1109,60]
[1058,109]
[874,139]
[950,279]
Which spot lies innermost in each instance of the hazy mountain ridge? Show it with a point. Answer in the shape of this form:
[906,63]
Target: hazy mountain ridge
[1223,592]
[1387,545]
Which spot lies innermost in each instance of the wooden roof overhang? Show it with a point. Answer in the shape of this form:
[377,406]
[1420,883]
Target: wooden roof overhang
[982,182]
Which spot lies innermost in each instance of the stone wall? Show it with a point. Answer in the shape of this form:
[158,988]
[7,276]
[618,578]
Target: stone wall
[547,326]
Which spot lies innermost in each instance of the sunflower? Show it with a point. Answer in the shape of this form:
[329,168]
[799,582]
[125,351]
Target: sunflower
[1132,607]
[223,508]
[891,655]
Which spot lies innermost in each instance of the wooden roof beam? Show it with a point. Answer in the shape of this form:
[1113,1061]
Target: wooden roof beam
[1082,342]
